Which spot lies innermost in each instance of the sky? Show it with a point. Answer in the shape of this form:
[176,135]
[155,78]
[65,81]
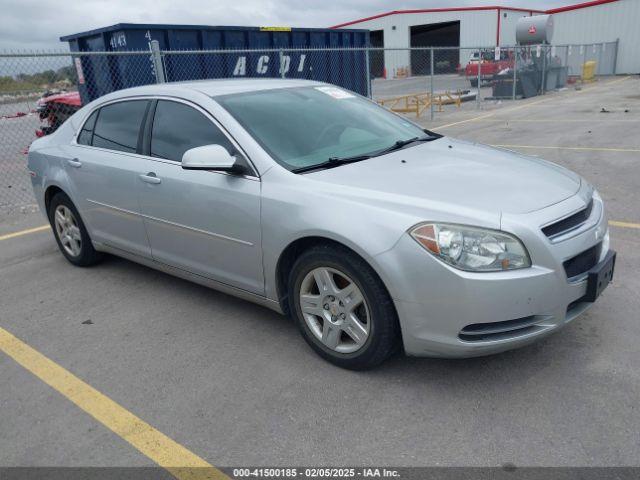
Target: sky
[38,24]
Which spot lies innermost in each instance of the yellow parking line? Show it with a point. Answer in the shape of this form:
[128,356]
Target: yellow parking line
[170,455]
[491,114]
[617,224]
[612,82]
[624,224]
[526,105]
[474,119]
[552,147]
[24,232]
[561,120]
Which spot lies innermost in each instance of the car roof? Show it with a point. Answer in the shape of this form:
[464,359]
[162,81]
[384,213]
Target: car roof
[213,88]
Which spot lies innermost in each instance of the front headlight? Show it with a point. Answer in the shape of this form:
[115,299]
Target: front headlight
[470,248]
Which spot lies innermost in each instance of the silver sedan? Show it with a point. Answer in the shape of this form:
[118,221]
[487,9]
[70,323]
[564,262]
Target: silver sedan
[373,234]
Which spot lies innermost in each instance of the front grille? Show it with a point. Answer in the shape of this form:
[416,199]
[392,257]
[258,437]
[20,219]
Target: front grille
[478,332]
[569,223]
[583,262]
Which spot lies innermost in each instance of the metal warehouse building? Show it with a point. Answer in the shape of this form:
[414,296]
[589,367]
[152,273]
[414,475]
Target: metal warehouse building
[597,21]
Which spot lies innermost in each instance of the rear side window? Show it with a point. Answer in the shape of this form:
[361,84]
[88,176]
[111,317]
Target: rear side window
[118,126]
[86,134]
[178,127]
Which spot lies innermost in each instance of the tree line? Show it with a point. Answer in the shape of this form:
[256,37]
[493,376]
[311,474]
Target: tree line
[37,81]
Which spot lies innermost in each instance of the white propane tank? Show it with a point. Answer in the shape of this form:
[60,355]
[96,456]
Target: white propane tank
[534,30]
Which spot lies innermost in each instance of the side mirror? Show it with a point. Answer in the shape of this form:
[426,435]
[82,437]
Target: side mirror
[211,157]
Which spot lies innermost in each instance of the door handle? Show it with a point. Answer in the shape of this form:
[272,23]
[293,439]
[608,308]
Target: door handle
[75,163]
[150,178]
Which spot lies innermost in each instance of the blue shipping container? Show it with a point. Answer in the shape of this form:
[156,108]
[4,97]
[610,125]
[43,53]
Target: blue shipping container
[99,75]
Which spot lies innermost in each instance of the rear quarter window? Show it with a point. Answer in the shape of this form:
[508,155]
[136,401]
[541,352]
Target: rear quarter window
[86,134]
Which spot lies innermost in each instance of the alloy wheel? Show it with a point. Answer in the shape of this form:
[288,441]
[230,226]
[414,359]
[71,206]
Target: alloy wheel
[67,230]
[335,309]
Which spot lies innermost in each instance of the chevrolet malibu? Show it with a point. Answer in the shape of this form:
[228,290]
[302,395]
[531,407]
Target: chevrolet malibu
[372,234]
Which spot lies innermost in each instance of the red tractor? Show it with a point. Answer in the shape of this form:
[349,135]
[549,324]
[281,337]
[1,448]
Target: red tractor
[55,108]
[488,65]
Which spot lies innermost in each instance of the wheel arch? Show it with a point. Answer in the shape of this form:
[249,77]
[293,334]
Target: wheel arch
[49,193]
[295,248]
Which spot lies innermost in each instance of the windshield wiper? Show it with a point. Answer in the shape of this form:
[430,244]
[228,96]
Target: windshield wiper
[403,143]
[331,163]
[337,161]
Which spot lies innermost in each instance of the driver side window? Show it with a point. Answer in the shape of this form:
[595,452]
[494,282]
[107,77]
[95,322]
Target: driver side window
[178,127]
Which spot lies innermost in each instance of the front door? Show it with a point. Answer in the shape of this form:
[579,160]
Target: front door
[205,222]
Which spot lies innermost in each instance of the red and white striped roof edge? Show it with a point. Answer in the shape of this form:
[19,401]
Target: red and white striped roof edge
[567,8]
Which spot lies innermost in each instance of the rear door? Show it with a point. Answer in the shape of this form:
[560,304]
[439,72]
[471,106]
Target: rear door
[204,222]
[103,171]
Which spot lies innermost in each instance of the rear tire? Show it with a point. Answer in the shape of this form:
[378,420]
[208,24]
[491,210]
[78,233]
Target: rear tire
[474,82]
[70,233]
[342,308]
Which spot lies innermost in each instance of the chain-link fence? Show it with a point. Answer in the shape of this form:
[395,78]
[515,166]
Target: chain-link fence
[426,81]
[39,91]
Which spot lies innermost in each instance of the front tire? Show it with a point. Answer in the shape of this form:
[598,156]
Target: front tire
[70,233]
[342,308]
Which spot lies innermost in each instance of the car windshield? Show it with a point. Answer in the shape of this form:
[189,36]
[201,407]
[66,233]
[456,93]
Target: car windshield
[306,126]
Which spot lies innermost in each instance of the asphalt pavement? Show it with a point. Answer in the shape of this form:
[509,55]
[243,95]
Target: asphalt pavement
[236,384]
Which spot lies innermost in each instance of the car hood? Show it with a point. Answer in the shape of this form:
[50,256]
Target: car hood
[462,174]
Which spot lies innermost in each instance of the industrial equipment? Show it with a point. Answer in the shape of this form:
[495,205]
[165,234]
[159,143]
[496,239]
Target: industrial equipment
[537,68]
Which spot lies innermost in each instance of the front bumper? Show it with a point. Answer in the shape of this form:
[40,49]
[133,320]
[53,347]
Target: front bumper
[437,304]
